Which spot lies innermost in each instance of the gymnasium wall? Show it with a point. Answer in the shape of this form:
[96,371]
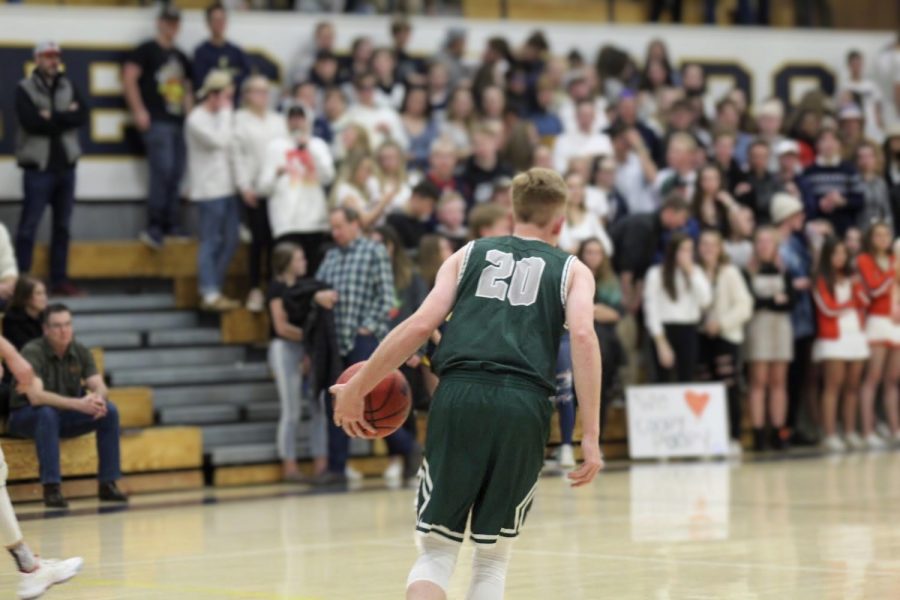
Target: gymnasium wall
[95,40]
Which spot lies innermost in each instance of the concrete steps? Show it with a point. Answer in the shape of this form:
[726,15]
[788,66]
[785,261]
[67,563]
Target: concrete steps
[187,336]
[240,394]
[107,303]
[200,415]
[173,357]
[136,321]
[164,376]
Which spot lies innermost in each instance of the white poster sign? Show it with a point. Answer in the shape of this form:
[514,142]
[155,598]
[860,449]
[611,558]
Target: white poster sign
[672,421]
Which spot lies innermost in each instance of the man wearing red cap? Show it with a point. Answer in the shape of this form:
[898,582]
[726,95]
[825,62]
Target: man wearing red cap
[49,111]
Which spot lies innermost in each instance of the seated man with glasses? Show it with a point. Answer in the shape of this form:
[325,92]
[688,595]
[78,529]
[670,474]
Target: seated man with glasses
[69,399]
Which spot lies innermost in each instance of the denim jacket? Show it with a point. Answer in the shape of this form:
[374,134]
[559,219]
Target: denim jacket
[797,260]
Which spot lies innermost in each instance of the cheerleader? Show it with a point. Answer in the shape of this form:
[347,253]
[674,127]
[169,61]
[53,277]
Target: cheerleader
[841,346]
[876,268]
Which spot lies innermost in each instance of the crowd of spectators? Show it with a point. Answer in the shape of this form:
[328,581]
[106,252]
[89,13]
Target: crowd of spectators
[731,241]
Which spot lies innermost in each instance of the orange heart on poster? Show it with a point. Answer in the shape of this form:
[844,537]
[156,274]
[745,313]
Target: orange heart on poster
[697,402]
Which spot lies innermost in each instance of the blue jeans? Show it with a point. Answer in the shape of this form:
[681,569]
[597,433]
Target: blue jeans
[219,224]
[565,390]
[166,156]
[40,189]
[46,425]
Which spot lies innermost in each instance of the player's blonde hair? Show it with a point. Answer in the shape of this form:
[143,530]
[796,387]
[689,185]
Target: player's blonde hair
[538,196]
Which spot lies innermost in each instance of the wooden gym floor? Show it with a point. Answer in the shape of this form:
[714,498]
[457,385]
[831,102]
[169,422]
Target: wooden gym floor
[813,528]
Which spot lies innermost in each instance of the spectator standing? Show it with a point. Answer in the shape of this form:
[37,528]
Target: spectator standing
[543,116]
[892,167]
[876,269]
[760,184]
[770,347]
[359,271]
[679,175]
[483,167]
[55,408]
[357,188]
[389,91]
[581,224]
[289,300]
[739,244]
[50,110]
[409,293]
[627,114]
[451,218]
[584,141]
[442,167]
[210,135]
[794,252]
[294,174]
[603,198]
[769,120]
[409,68]
[9,271]
[320,44]
[636,172]
[380,122]
[675,295]
[722,331]
[418,218]
[641,240]
[836,193]
[489,220]
[713,205]
[392,174]
[217,53]
[452,56]
[608,311]
[418,125]
[22,322]
[255,128]
[841,345]
[459,120]
[156,79]
[864,92]
[789,177]
[876,206]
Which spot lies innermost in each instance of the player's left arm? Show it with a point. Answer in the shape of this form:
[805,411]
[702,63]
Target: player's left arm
[397,347]
[586,369]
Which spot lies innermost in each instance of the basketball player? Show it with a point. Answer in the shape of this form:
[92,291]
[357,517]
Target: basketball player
[509,299]
[37,575]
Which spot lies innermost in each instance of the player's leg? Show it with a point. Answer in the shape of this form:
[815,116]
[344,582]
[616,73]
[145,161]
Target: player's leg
[489,566]
[508,493]
[430,575]
[36,575]
[457,452]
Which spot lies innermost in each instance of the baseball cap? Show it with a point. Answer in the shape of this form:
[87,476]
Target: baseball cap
[784,206]
[47,47]
[216,81]
[787,147]
[170,12]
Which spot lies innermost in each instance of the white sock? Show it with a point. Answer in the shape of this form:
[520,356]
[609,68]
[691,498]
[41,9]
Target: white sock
[10,534]
[489,567]
[210,298]
[437,559]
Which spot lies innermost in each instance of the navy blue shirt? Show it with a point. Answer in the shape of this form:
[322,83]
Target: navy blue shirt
[228,57]
[843,178]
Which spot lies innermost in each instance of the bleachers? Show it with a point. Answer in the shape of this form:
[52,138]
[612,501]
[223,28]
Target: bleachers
[194,391]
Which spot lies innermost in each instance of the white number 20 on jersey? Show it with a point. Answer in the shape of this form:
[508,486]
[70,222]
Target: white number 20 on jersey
[522,289]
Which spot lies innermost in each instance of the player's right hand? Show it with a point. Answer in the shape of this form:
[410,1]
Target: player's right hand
[591,465]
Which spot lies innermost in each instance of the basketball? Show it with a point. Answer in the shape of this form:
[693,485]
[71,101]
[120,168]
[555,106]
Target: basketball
[389,402]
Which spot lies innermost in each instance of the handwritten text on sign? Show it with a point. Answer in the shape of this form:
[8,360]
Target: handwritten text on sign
[677,421]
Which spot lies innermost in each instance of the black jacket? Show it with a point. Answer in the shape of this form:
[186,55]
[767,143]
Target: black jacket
[321,341]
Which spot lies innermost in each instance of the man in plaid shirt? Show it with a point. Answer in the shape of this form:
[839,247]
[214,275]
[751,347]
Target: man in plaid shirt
[359,272]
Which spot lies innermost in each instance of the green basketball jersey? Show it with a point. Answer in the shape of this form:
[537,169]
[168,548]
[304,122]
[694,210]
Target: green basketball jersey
[509,312]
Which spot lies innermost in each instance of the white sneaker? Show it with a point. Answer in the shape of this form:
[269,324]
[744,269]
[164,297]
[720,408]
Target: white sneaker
[833,443]
[566,456]
[49,573]
[873,442]
[855,441]
[394,471]
[352,474]
[256,302]
[735,450]
[894,439]
[883,430]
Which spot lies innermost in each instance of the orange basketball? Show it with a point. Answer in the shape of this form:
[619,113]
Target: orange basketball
[388,404]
